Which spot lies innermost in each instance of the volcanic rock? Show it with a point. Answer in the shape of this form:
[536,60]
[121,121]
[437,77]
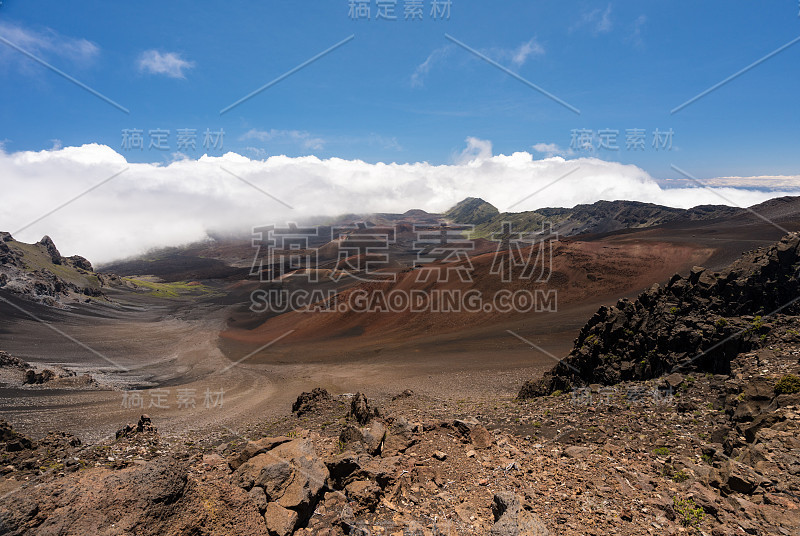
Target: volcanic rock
[145,425]
[290,474]
[480,438]
[47,242]
[360,409]
[80,262]
[37,378]
[151,499]
[693,323]
[254,448]
[510,519]
[280,521]
[364,493]
[9,361]
[308,401]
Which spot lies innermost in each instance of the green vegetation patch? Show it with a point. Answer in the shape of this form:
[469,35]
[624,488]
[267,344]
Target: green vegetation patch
[788,385]
[689,514]
[171,290]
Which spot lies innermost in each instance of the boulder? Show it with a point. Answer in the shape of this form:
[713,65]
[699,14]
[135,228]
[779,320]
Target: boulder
[14,441]
[731,476]
[254,448]
[399,437]
[145,424]
[290,474]
[259,498]
[342,466]
[674,380]
[280,521]
[405,394]
[331,516]
[308,401]
[374,437]
[465,425]
[704,498]
[364,493]
[360,409]
[577,452]
[349,467]
[480,437]
[369,439]
[38,378]
[510,519]
[351,434]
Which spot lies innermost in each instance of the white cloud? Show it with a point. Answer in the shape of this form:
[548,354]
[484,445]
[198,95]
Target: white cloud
[258,152]
[422,70]
[551,149]
[604,23]
[635,36]
[152,205]
[45,44]
[518,56]
[170,64]
[598,21]
[477,150]
[301,137]
[521,54]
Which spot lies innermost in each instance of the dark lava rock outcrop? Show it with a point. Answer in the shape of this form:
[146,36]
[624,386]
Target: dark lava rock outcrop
[6,255]
[144,426]
[38,378]
[51,248]
[699,322]
[80,262]
[308,401]
[39,273]
[9,361]
[361,411]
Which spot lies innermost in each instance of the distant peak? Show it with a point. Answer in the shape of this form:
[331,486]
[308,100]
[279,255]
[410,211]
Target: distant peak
[472,210]
[415,212]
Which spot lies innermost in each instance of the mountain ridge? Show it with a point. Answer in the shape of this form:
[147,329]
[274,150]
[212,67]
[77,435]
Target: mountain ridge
[598,217]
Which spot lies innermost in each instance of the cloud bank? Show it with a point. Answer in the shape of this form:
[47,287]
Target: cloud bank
[154,205]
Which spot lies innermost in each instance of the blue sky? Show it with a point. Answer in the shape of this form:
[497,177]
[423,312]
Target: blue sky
[400,91]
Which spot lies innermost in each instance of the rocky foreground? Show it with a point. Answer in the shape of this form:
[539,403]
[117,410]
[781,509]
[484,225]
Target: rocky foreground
[705,454]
